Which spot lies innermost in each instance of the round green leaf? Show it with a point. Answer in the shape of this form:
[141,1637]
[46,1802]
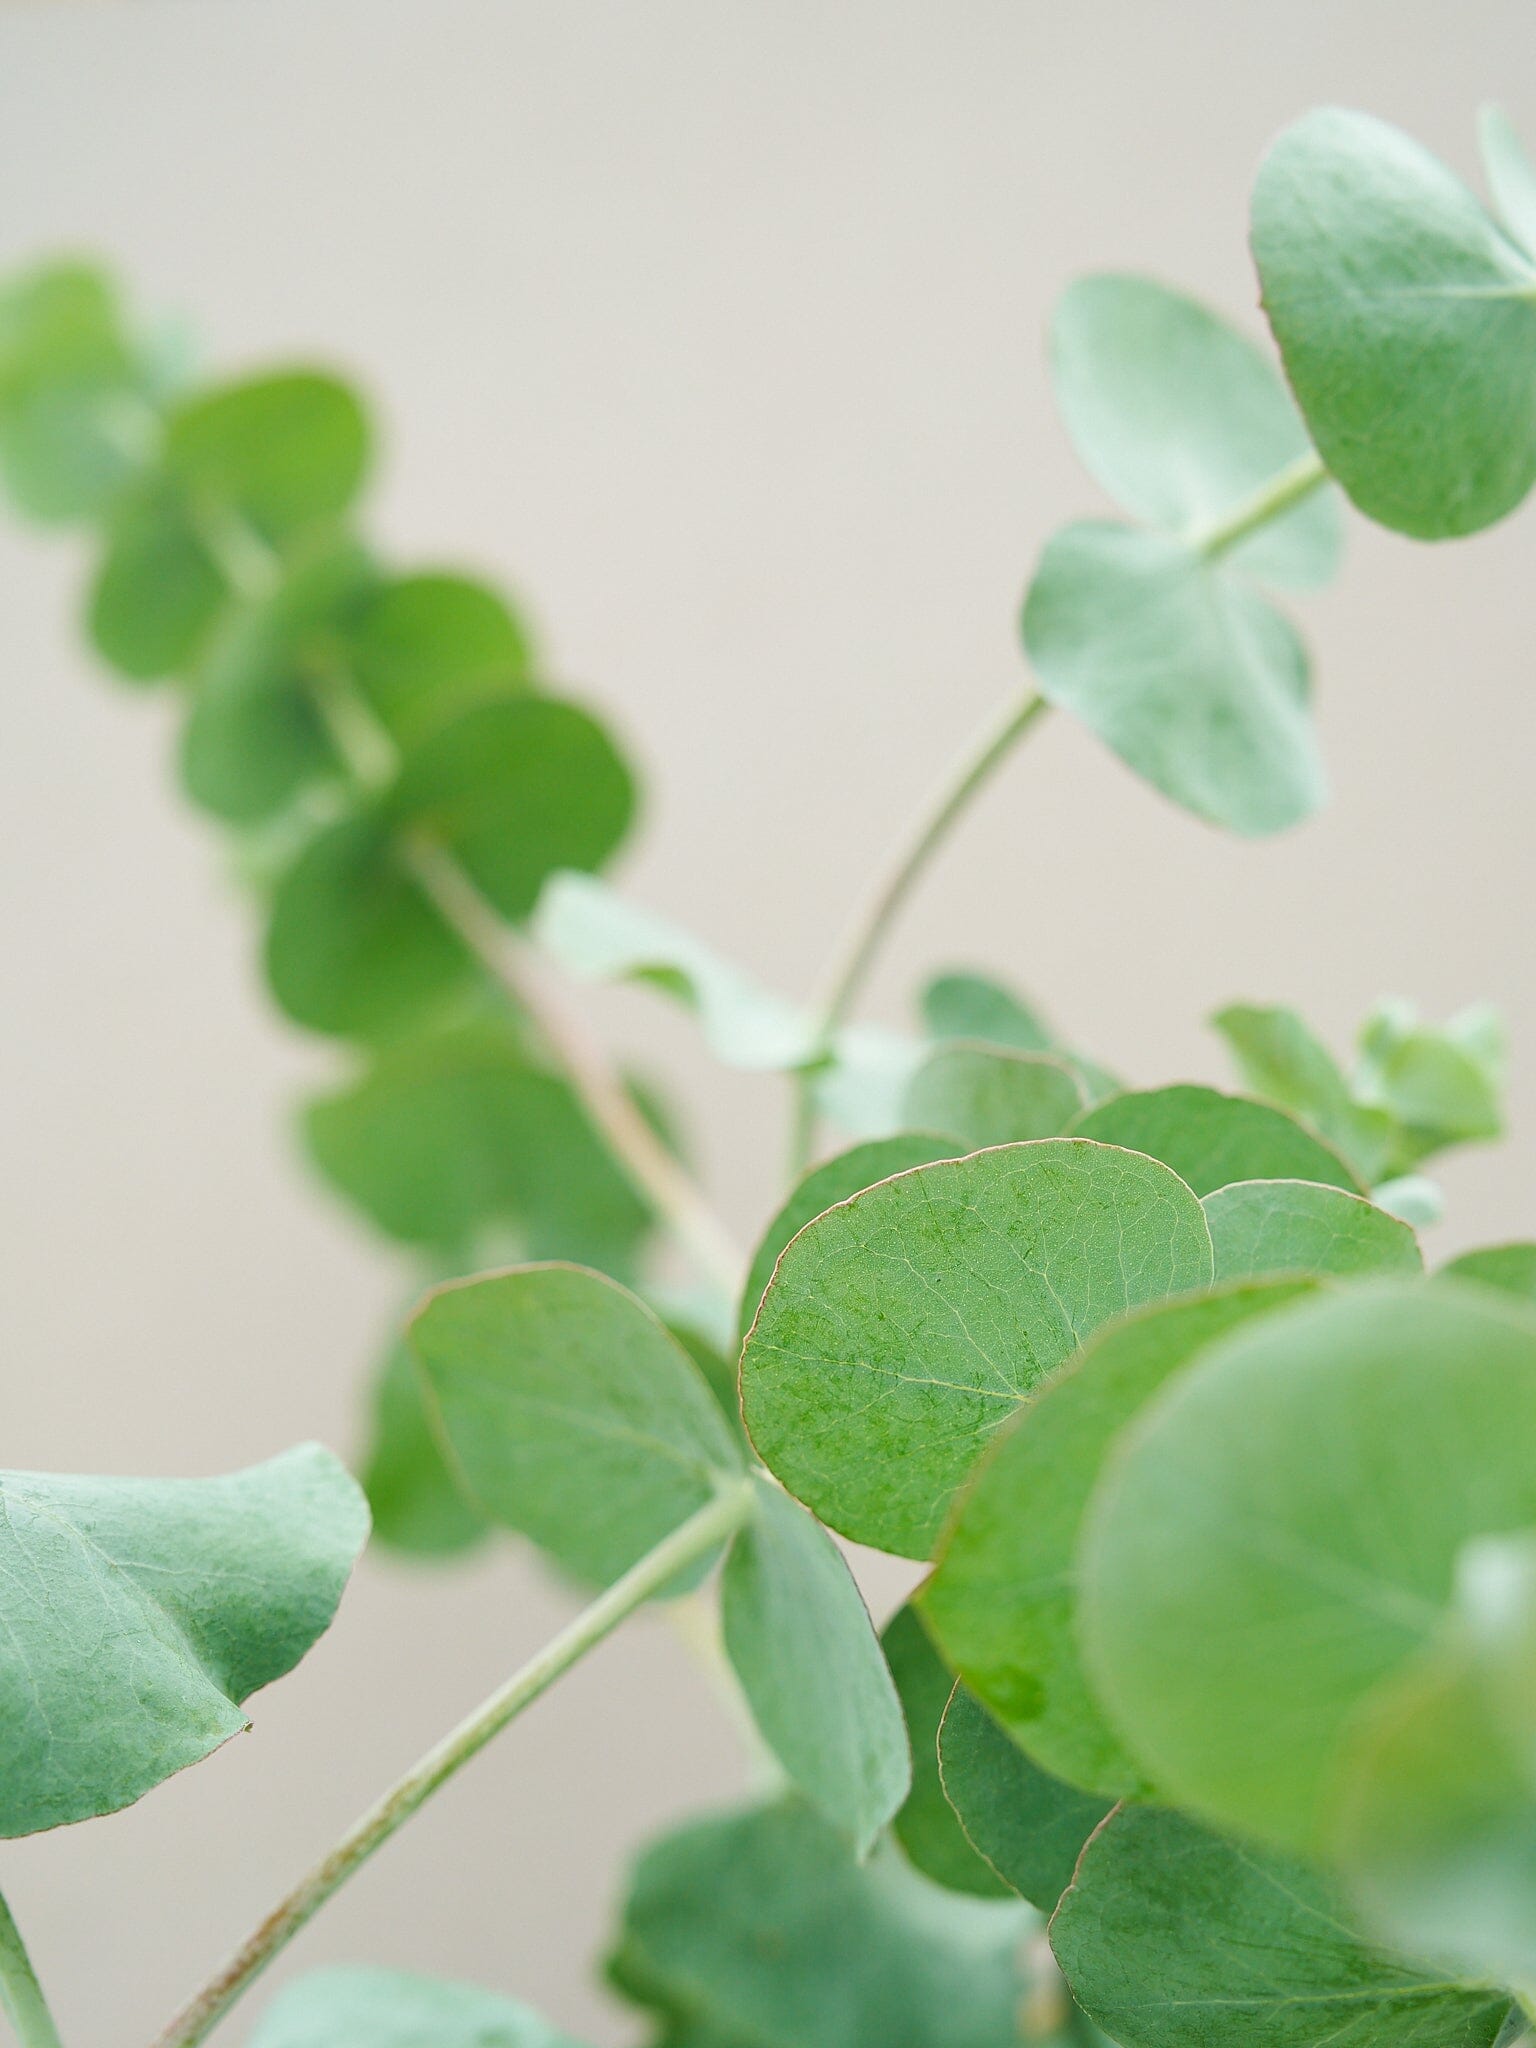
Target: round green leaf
[1029,1826]
[1194,680]
[389,2009]
[1172,1937]
[927,1825]
[846,1173]
[972,1007]
[984,1095]
[353,945]
[138,1614]
[1181,419]
[256,736]
[76,413]
[1211,1139]
[902,1328]
[800,1640]
[287,451]
[1438,1833]
[761,1927]
[980,1011]
[516,790]
[456,1136]
[1277,1535]
[1406,319]
[418,1505]
[157,590]
[1002,1600]
[574,1417]
[431,645]
[1510,1267]
[1263,1228]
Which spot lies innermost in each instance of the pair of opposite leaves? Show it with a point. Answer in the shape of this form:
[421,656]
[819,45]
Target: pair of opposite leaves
[225,562]
[1405,317]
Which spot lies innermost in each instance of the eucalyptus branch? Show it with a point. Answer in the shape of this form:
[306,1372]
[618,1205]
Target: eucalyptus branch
[696,1537]
[861,948]
[21,1996]
[369,755]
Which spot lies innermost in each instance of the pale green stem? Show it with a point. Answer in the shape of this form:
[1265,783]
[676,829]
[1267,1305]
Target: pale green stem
[851,968]
[695,1539]
[21,1996]
[1281,494]
[658,1176]
[369,754]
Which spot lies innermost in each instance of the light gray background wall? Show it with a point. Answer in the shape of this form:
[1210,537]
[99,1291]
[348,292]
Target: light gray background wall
[717,328]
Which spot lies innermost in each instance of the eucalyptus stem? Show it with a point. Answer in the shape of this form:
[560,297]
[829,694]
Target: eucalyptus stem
[861,948]
[1282,493]
[251,567]
[21,1996]
[694,1539]
[671,1190]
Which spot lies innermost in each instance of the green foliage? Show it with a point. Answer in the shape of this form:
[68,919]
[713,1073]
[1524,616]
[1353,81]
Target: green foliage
[517,790]
[76,412]
[1003,1599]
[984,1095]
[431,645]
[846,1173]
[1509,1267]
[1407,322]
[928,1826]
[1029,1826]
[601,936]
[1439,1826]
[461,1137]
[902,1328]
[243,476]
[1280,1532]
[389,2009]
[981,1011]
[1172,1937]
[1182,419]
[761,1928]
[138,1614]
[1415,1089]
[1157,640]
[1263,1228]
[418,1503]
[1193,678]
[801,1643]
[553,1370]
[256,738]
[1211,1140]
[1232,1510]
[354,945]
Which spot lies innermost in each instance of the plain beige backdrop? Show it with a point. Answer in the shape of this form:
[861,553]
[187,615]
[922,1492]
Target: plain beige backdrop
[715,325]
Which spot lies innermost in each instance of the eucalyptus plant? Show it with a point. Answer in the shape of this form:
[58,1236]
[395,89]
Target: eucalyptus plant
[1213,1718]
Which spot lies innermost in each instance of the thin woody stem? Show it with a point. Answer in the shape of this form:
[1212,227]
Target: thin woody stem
[651,1167]
[694,1539]
[851,968]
